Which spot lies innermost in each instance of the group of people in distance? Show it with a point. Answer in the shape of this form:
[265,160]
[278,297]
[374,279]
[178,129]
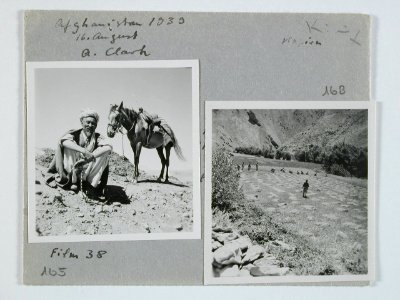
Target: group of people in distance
[248,166]
[305,184]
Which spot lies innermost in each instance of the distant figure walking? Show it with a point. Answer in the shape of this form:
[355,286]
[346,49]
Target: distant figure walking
[249,167]
[305,188]
[256,166]
[242,166]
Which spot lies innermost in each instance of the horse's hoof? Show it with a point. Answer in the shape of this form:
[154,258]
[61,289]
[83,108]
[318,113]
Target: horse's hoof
[166,181]
[159,179]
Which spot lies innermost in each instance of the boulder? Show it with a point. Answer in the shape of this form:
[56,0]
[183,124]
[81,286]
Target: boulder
[268,271]
[248,267]
[266,261]
[243,242]
[230,271]
[228,254]
[179,227]
[224,237]
[253,253]
[215,245]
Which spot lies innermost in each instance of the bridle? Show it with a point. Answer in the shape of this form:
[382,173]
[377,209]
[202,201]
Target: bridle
[117,126]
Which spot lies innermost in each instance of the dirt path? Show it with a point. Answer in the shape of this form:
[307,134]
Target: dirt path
[333,218]
[145,207]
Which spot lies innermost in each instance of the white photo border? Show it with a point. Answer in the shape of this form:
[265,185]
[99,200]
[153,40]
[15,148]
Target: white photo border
[33,237]
[209,279]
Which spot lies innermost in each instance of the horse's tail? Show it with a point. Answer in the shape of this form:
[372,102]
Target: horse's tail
[168,130]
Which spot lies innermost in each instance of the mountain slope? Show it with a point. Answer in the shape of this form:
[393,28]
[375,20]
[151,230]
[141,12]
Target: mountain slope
[291,129]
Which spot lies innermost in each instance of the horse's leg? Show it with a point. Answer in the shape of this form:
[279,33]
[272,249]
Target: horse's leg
[135,162]
[162,158]
[138,150]
[167,153]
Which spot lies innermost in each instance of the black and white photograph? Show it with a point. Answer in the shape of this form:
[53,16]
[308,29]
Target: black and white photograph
[112,150]
[289,192]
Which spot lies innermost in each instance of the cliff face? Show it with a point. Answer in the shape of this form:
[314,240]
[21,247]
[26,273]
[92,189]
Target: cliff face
[289,129]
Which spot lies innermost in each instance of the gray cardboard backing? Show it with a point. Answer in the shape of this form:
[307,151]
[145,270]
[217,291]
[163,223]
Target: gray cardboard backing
[243,56]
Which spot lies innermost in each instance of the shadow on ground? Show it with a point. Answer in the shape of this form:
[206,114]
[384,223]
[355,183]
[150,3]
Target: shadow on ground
[116,193]
[158,182]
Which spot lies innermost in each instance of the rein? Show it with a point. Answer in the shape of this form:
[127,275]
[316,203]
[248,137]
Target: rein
[118,128]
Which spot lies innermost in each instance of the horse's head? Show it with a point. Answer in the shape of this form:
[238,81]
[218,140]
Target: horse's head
[114,119]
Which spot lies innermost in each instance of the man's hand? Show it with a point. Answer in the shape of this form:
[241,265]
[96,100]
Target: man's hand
[88,156]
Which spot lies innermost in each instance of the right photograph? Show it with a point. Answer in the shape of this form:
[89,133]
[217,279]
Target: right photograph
[289,192]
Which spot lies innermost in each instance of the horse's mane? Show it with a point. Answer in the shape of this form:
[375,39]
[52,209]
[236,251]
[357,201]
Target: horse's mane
[131,113]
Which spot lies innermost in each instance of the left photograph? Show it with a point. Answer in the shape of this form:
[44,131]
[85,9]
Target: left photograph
[112,151]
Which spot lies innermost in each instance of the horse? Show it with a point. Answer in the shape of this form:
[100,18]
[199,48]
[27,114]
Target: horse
[139,127]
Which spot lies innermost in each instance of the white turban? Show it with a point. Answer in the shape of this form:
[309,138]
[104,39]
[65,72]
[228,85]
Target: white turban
[89,113]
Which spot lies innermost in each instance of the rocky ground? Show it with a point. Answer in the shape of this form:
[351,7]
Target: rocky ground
[144,207]
[236,256]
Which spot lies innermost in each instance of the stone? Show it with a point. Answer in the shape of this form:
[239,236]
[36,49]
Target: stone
[253,253]
[221,229]
[268,271]
[57,196]
[118,204]
[80,215]
[98,209]
[179,227]
[215,245]
[282,204]
[244,273]
[146,227]
[266,261]
[230,271]
[107,208]
[224,237]
[248,267]
[187,215]
[243,242]
[228,254]
[133,212]
[38,192]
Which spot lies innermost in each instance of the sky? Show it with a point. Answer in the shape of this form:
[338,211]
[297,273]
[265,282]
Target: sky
[61,94]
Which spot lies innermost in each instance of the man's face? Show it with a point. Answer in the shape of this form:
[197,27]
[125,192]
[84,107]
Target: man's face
[89,125]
